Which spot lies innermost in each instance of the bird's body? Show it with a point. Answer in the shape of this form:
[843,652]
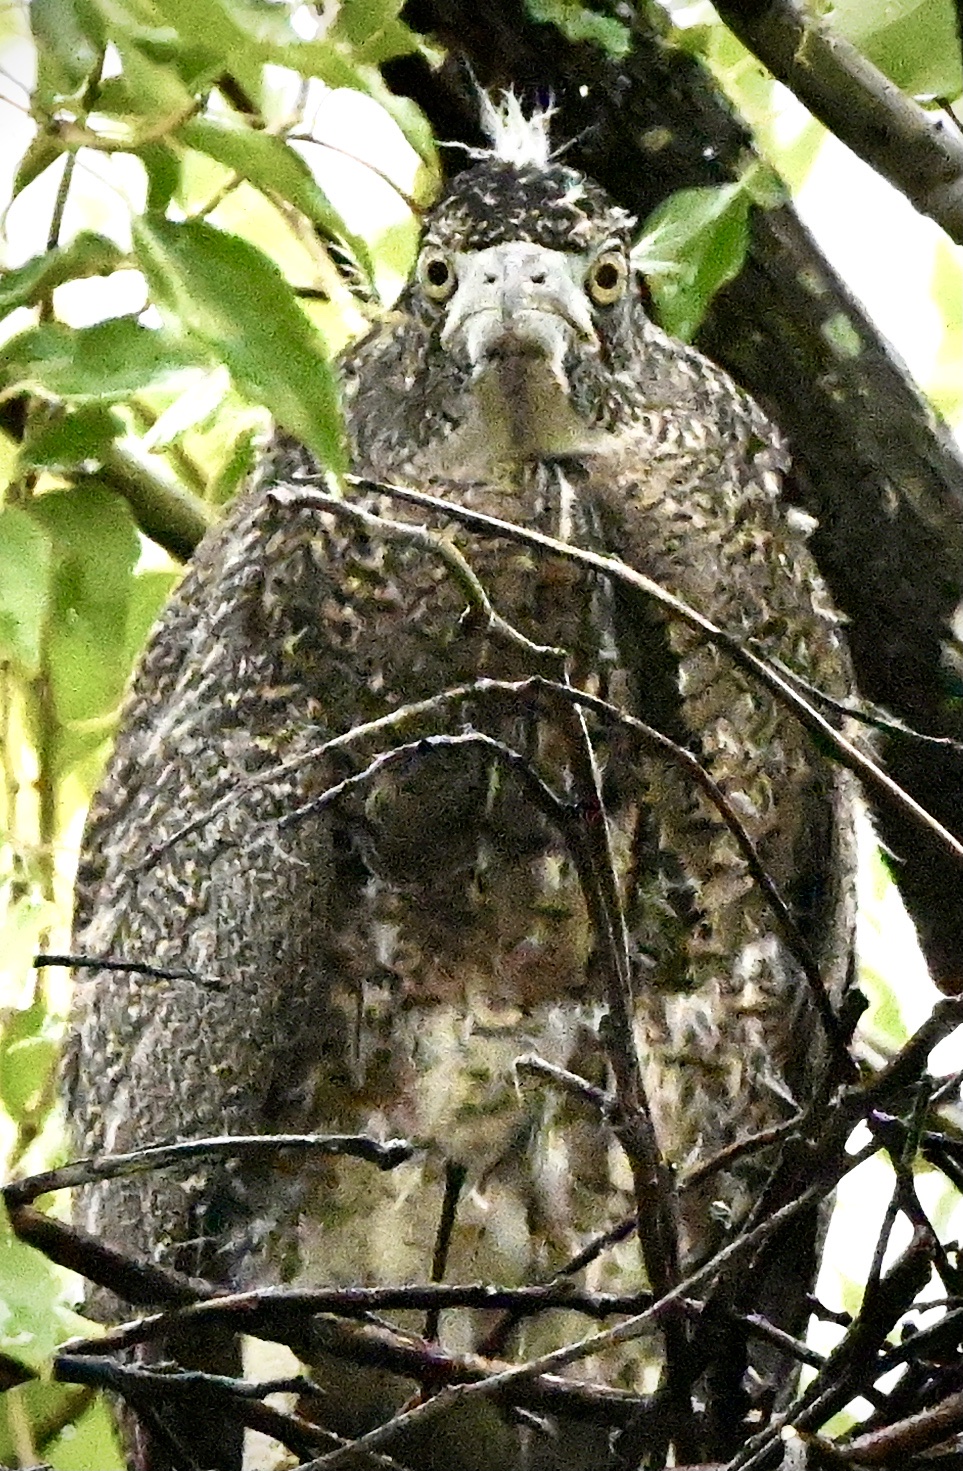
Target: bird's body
[380,963]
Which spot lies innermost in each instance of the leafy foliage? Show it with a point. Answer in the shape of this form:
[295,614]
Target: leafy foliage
[915,42]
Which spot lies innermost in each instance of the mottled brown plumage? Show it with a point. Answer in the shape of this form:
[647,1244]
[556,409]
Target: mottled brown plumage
[384,961]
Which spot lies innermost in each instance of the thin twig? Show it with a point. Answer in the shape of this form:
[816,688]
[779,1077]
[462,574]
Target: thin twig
[877,781]
[859,710]
[597,1343]
[853,1365]
[387,1156]
[133,967]
[414,533]
[523,692]
[293,1317]
[359,1302]
[455,1176]
[566,1081]
[545,799]
[140,1385]
[891,1444]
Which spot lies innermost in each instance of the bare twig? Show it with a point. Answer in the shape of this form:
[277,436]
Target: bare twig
[889,1445]
[196,1391]
[740,1249]
[876,781]
[858,709]
[545,799]
[387,1156]
[455,1175]
[131,967]
[294,1318]
[853,1365]
[590,843]
[910,1061]
[359,1302]
[545,657]
[566,1081]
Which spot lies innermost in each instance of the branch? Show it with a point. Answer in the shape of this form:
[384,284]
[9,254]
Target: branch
[876,781]
[162,507]
[293,1317]
[197,1394]
[916,1433]
[853,1365]
[128,967]
[386,1156]
[414,533]
[626,1332]
[909,146]
[566,1081]
[361,1302]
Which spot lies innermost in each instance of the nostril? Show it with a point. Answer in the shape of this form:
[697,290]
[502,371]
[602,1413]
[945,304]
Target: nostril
[538,278]
[490,278]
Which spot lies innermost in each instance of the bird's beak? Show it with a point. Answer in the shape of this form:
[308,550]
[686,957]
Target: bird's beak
[519,301]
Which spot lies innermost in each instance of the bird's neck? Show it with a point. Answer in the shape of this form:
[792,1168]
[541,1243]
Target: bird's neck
[517,413]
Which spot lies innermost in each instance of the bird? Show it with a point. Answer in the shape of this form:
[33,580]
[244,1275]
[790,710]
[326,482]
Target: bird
[343,819]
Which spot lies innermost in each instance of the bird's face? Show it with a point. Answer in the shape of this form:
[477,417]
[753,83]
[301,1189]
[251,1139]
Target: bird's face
[516,316]
[519,338]
[517,300]
[522,283]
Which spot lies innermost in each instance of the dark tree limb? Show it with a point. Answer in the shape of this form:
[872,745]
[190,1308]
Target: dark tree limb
[912,148]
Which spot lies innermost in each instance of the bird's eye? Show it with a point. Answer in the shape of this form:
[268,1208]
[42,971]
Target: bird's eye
[436,273]
[607,277]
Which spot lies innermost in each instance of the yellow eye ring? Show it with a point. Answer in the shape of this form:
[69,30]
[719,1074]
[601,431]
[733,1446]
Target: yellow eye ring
[607,277]
[436,273]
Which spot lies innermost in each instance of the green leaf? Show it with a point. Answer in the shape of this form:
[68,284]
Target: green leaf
[26,921]
[163,175]
[89,1441]
[236,468]
[148,595]
[412,122]
[580,23]
[693,243]
[44,150]
[155,89]
[392,40]
[69,33]
[373,31]
[25,1069]
[356,20]
[96,547]
[86,255]
[240,36]
[25,559]
[33,1319]
[273,167]
[244,35]
[232,301]
[67,439]
[946,383]
[914,42]
[104,363]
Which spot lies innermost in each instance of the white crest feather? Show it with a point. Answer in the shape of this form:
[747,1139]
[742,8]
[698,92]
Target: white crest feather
[516,139]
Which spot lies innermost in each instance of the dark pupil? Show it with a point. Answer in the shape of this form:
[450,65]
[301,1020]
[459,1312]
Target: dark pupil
[607,277]
[437,273]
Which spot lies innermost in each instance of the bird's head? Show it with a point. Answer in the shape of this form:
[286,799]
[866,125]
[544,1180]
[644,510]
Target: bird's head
[522,321]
